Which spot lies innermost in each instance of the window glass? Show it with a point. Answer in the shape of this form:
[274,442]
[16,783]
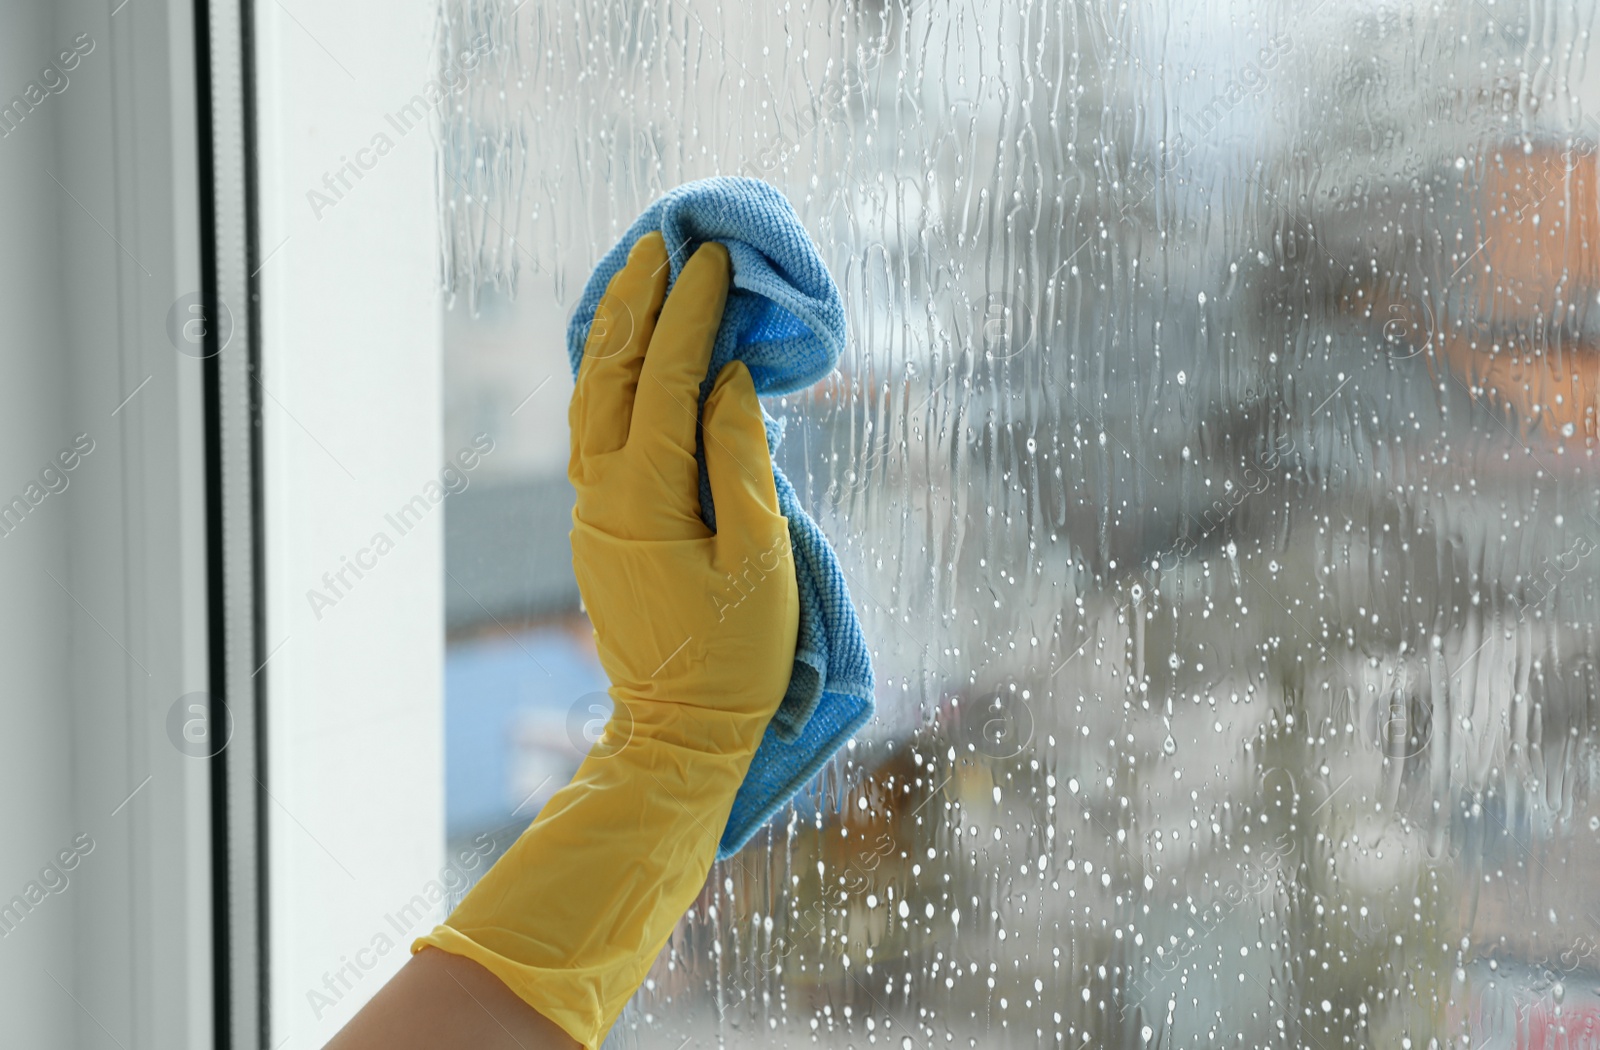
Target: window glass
[1213,467]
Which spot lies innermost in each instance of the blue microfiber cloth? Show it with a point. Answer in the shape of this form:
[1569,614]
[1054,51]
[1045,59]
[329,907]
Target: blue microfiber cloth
[785,321]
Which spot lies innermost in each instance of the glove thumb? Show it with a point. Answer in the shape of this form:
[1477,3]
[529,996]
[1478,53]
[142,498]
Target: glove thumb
[738,463]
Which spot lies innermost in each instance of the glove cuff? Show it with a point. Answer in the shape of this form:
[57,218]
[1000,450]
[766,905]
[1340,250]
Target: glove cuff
[575,913]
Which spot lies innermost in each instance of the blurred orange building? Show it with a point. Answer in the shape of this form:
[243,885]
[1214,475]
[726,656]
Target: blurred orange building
[1526,335]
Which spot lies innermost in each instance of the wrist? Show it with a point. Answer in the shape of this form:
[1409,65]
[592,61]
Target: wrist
[693,729]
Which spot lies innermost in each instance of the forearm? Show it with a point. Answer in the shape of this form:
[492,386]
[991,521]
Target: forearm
[440,1001]
[578,957]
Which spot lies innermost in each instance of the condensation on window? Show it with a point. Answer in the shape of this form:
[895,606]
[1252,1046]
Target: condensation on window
[1213,463]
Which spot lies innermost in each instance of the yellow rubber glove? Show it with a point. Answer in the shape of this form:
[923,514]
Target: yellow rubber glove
[696,632]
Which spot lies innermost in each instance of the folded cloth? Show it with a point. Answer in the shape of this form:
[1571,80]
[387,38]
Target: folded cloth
[785,321]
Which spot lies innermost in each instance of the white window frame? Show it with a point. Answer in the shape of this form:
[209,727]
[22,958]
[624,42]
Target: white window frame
[352,405]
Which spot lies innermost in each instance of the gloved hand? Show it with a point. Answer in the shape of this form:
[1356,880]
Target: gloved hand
[695,630]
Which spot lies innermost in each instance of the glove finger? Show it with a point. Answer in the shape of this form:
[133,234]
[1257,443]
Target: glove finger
[739,465]
[666,411]
[623,324]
